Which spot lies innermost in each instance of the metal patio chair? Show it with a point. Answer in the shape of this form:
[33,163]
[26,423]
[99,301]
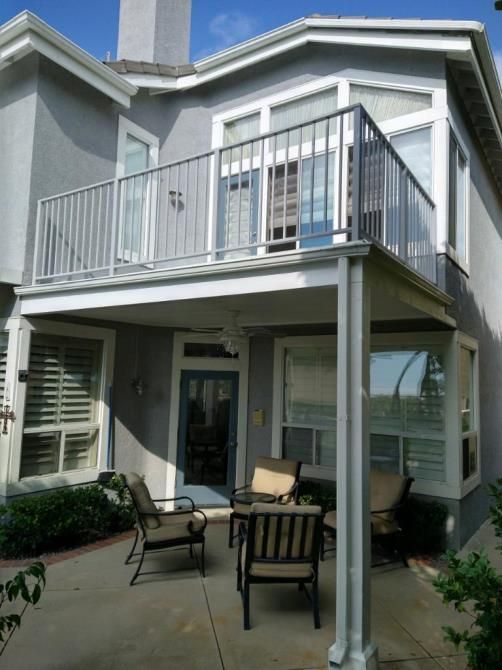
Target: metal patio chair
[280,545]
[158,529]
[278,477]
[389,492]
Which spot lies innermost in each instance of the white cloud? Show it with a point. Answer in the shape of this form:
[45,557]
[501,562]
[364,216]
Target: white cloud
[228,29]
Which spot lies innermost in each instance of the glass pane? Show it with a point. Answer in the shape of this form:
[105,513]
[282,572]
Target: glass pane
[424,459]
[80,450]
[40,454]
[460,206]
[136,155]
[452,192]
[385,452]
[207,430]
[297,444]
[303,110]
[415,148]
[238,212]
[407,391]
[242,129]
[282,209]
[326,448]
[317,198]
[466,389]
[469,456]
[388,103]
[310,386]
[206,350]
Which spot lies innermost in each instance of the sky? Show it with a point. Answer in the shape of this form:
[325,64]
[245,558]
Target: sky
[217,24]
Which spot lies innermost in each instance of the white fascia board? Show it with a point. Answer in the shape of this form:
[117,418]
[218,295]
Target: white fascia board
[416,25]
[27,32]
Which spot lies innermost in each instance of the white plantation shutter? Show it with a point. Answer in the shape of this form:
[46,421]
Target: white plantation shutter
[61,405]
[387,103]
[4,340]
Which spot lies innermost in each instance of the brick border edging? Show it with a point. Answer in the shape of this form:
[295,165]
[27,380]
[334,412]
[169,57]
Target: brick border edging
[51,559]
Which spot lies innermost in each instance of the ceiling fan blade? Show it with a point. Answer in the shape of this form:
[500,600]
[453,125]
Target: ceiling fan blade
[212,331]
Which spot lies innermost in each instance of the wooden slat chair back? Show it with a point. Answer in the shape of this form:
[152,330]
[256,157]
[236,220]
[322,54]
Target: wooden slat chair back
[280,545]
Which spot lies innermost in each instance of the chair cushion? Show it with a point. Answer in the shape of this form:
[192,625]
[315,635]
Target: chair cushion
[387,491]
[274,475]
[277,570]
[174,527]
[241,508]
[380,525]
[142,499]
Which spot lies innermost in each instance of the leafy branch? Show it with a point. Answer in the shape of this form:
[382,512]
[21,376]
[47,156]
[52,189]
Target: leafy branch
[28,585]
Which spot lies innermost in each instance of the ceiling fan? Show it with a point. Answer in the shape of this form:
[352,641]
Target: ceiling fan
[230,335]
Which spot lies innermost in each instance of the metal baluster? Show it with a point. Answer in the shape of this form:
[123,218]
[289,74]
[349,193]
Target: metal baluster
[98,232]
[70,234]
[312,180]
[196,205]
[285,194]
[91,230]
[63,236]
[106,231]
[176,210]
[326,162]
[251,233]
[226,239]
[239,199]
[341,123]
[272,201]
[299,180]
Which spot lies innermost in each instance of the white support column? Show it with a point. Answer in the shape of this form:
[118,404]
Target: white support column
[353,649]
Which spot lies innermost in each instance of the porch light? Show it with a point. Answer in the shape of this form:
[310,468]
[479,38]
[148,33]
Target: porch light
[231,346]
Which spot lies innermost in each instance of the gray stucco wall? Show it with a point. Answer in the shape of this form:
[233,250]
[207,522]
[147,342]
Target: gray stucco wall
[478,311]
[18,98]
[261,369]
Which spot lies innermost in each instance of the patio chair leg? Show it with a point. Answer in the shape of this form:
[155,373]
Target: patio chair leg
[190,549]
[202,560]
[315,604]
[322,546]
[139,566]
[231,531]
[400,550]
[131,553]
[245,603]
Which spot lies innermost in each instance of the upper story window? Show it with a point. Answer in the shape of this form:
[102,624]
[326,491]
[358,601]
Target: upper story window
[468,410]
[302,110]
[457,199]
[137,149]
[388,103]
[241,129]
[415,148]
[137,155]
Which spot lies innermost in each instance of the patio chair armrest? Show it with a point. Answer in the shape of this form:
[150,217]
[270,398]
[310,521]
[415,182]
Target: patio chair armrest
[394,508]
[204,520]
[174,512]
[241,488]
[174,499]
[291,492]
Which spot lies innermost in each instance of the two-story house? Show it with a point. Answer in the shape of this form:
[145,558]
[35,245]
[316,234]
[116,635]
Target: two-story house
[288,248]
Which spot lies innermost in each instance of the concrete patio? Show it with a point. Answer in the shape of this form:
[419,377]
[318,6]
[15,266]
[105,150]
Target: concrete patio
[89,617]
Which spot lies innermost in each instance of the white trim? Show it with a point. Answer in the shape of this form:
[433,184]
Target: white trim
[26,32]
[454,129]
[21,329]
[471,344]
[179,363]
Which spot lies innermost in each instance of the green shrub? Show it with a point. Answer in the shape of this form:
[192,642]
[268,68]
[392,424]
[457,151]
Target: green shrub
[28,585]
[314,493]
[61,519]
[424,526]
[473,585]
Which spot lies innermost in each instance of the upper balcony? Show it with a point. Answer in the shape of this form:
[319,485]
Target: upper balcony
[333,180]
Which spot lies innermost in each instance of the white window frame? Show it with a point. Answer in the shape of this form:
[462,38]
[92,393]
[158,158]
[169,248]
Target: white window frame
[20,332]
[125,128]
[435,117]
[453,487]
[466,342]
[462,262]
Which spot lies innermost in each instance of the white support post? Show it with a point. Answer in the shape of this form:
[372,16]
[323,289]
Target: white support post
[353,649]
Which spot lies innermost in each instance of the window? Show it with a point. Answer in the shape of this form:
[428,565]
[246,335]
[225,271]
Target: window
[408,389]
[61,426]
[457,207]
[309,405]
[468,412]
[415,148]
[388,103]
[240,130]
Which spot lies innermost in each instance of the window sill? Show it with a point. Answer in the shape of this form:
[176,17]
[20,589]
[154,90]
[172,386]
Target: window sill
[53,481]
[459,262]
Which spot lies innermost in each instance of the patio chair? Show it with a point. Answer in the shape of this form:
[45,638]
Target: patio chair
[280,545]
[158,529]
[276,476]
[389,493]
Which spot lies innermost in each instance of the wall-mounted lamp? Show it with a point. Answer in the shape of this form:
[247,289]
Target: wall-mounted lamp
[138,385]
[175,195]
[137,382]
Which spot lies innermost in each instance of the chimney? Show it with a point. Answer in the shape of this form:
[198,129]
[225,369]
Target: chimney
[155,31]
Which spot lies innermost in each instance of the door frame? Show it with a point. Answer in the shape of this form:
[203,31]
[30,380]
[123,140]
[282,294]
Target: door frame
[179,363]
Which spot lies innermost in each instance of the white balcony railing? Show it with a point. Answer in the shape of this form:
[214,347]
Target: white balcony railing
[325,182]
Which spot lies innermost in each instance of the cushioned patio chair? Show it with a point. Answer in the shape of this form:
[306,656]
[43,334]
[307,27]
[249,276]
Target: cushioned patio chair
[276,476]
[280,545]
[389,493]
[158,529]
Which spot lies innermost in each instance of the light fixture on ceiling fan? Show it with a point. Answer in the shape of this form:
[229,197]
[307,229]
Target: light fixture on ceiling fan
[232,336]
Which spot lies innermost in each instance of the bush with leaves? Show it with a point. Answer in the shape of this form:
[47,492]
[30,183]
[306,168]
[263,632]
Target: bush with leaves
[314,493]
[58,520]
[28,585]
[424,526]
[473,585]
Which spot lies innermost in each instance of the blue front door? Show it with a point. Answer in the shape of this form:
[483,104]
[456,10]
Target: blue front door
[207,436]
